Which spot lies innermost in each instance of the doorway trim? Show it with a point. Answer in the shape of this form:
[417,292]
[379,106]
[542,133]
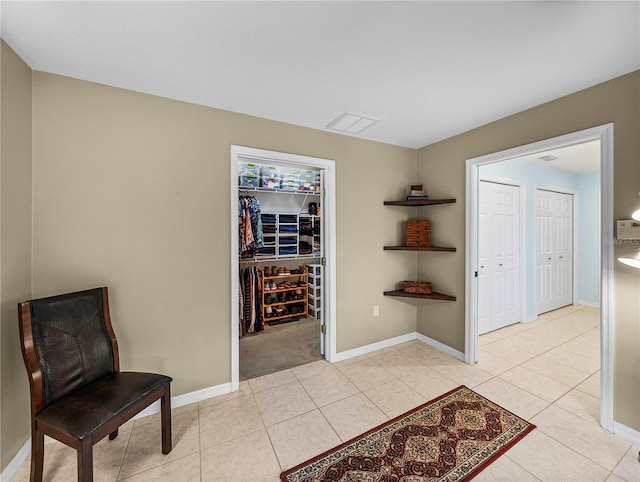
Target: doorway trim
[604,134]
[329,240]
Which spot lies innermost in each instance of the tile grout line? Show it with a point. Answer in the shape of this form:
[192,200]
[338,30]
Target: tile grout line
[124,453]
[572,388]
[266,430]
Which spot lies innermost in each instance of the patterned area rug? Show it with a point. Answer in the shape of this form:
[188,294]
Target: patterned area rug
[451,438]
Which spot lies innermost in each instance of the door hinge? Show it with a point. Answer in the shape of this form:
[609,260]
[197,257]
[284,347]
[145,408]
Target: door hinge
[324,329]
[323,261]
[476,274]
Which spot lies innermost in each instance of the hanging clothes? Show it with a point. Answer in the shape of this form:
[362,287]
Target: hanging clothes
[251,300]
[250,235]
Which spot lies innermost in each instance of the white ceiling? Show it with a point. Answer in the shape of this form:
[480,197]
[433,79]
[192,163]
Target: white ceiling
[428,70]
[577,158]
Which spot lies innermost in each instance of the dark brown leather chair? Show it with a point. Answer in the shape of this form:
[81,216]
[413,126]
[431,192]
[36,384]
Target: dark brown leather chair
[78,393]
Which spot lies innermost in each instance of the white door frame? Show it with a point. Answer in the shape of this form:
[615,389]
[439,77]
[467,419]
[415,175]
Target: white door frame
[604,134]
[574,227]
[329,240]
[522,233]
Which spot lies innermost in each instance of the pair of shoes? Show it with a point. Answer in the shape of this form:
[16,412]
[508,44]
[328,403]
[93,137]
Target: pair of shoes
[270,286]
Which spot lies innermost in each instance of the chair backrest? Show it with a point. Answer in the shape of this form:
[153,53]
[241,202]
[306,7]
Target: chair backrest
[68,339]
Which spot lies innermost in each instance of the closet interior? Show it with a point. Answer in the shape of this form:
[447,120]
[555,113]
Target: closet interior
[281,256]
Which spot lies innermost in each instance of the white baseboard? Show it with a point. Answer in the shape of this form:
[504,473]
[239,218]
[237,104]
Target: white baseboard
[626,433]
[363,350]
[12,469]
[187,398]
[531,318]
[440,346]
[592,304]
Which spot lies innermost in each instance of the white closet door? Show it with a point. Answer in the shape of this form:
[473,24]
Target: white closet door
[554,250]
[499,256]
[484,253]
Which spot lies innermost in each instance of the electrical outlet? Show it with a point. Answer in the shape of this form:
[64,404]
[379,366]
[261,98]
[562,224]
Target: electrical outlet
[376,310]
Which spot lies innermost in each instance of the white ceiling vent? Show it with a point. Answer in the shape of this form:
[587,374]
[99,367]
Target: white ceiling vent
[548,158]
[352,123]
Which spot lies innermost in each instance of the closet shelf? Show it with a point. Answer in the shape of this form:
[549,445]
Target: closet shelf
[289,275]
[283,290]
[302,300]
[271,319]
[259,259]
[279,191]
[419,248]
[419,202]
[432,296]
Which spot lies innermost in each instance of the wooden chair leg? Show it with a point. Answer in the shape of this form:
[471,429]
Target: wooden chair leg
[113,434]
[85,461]
[37,456]
[165,417]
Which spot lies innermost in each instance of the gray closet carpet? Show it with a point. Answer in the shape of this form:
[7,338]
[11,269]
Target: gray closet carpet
[279,347]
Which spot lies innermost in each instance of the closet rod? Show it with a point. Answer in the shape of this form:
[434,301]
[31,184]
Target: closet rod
[279,191]
[291,257]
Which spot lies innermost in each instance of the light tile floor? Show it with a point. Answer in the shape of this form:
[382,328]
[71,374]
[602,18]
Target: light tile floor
[546,371]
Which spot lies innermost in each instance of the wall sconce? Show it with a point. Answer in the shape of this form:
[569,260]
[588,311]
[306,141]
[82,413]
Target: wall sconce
[633,262]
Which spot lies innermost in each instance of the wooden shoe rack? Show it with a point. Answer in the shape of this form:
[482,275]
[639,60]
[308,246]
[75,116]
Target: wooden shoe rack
[282,304]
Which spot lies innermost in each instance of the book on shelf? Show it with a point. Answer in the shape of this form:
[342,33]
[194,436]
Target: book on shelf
[417,198]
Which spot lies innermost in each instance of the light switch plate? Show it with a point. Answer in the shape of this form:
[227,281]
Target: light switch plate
[628,229]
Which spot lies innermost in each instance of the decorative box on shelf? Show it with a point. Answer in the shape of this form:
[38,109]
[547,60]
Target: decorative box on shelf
[418,233]
[422,287]
[416,193]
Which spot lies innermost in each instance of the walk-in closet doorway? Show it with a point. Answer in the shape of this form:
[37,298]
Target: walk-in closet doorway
[282,261]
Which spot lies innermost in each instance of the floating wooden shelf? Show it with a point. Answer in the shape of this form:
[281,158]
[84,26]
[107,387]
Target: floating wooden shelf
[419,202]
[401,293]
[419,248]
[432,296]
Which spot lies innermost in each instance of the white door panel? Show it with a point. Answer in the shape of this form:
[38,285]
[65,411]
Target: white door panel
[554,250]
[498,256]
[484,284]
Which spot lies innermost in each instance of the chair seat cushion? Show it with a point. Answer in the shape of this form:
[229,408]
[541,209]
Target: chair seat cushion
[84,411]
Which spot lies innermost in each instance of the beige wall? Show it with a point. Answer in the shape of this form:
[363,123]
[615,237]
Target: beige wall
[132,191]
[441,167]
[15,246]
